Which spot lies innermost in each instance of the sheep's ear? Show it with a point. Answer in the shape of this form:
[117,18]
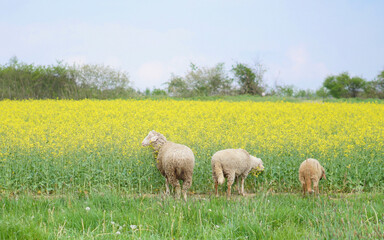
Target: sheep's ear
[154,138]
[323,175]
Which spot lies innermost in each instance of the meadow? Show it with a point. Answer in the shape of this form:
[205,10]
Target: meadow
[89,152]
[261,216]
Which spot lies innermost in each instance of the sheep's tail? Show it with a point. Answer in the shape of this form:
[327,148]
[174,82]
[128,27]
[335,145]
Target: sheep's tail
[218,172]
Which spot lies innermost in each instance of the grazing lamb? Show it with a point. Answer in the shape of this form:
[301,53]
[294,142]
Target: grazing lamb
[174,161]
[311,171]
[232,163]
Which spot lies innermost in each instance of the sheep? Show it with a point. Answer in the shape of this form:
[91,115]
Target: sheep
[231,164]
[311,171]
[174,161]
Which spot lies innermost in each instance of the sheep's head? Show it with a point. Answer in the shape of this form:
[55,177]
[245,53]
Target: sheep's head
[154,139]
[151,137]
[323,174]
[257,164]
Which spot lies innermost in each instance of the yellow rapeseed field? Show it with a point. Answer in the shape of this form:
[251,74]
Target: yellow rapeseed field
[67,126]
[57,129]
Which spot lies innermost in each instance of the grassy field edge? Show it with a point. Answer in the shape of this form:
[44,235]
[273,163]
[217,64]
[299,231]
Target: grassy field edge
[262,215]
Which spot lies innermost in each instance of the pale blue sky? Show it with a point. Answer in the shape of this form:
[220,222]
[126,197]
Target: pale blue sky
[299,42]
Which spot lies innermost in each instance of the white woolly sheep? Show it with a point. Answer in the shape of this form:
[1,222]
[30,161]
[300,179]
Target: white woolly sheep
[174,161]
[231,164]
[311,171]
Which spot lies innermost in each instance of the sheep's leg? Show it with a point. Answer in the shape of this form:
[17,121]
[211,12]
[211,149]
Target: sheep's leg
[231,179]
[216,190]
[303,185]
[186,185]
[238,186]
[178,191]
[229,191]
[242,185]
[316,186]
[175,183]
[304,188]
[166,187]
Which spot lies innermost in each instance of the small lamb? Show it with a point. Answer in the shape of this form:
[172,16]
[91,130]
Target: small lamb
[231,164]
[174,161]
[311,171]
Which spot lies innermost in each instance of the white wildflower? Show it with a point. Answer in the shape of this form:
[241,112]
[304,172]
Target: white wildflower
[117,233]
[87,208]
[133,227]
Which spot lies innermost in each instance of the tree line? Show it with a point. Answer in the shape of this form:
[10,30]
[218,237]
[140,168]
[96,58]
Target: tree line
[19,80]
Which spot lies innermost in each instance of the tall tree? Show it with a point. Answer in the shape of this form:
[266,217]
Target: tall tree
[250,79]
[375,88]
[343,85]
[205,81]
[178,87]
[355,85]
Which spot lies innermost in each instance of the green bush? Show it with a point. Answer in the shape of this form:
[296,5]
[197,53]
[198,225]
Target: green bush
[28,81]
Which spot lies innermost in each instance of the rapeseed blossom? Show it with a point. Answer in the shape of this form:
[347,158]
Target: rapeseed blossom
[60,127]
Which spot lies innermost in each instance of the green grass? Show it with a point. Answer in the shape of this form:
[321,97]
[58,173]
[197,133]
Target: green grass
[256,98]
[34,172]
[260,216]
